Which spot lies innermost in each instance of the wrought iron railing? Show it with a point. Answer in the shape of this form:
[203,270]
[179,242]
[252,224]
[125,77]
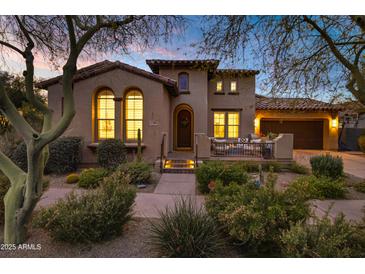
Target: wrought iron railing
[242,149]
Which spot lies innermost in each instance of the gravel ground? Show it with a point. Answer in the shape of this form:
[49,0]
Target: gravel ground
[131,244]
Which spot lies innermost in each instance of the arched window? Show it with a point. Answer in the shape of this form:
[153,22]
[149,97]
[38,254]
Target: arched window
[105,114]
[183,82]
[133,115]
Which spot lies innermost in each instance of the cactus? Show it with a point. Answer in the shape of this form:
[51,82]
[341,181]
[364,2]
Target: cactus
[139,147]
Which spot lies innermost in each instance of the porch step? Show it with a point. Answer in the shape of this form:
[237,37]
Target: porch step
[179,166]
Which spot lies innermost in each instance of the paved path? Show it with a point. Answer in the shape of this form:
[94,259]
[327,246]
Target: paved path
[352,209]
[171,183]
[354,163]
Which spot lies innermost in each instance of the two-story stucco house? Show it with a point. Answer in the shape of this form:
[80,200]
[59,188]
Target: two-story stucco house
[182,99]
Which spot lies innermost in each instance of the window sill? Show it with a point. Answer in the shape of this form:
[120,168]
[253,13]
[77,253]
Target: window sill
[233,93]
[184,92]
[219,93]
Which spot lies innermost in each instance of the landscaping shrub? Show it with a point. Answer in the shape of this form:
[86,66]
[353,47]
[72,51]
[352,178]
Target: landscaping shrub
[327,165]
[111,153]
[72,178]
[311,187]
[217,170]
[255,217]
[360,187]
[186,231]
[297,168]
[19,156]
[324,239]
[92,177]
[361,142]
[64,155]
[95,216]
[138,172]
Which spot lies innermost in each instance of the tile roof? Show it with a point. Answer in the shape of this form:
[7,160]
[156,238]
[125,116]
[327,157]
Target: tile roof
[235,72]
[106,66]
[155,64]
[298,104]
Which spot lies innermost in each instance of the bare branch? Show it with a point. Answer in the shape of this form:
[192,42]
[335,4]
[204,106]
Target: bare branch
[12,47]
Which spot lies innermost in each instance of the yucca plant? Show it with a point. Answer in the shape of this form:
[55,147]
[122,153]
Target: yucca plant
[186,231]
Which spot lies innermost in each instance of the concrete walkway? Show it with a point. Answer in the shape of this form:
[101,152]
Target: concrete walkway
[354,163]
[352,209]
[171,183]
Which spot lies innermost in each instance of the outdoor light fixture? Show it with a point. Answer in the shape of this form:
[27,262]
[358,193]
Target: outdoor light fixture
[334,123]
[257,122]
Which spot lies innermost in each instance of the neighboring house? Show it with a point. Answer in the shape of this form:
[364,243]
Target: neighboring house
[182,99]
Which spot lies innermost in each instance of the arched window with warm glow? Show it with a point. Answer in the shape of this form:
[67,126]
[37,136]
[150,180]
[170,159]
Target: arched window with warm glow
[133,115]
[105,114]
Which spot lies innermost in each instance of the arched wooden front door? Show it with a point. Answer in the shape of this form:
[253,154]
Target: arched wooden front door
[183,127]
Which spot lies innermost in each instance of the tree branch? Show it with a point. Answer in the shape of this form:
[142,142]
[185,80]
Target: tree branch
[359,20]
[331,44]
[358,54]
[6,44]
[10,170]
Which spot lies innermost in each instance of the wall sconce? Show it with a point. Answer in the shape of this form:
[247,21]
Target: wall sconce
[334,123]
[257,123]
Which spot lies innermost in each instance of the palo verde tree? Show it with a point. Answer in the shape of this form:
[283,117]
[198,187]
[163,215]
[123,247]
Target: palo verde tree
[60,39]
[298,54]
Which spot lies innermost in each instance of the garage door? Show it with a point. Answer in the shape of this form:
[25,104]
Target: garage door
[307,134]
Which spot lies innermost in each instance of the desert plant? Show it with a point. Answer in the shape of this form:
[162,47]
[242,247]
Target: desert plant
[92,177]
[111,153]
[217,170]
[312,187]
[255,217]
[95,216]
[324,238]
[327,165]
[139,172]
[360,186]
[4,186]
[64,155]
[72,178]
[298,168]
[186,231]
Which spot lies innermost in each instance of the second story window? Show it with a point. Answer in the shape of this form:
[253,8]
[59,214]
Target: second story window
[219,86]
[183,82]
[233,86]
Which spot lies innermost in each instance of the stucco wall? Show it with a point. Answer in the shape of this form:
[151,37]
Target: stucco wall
[243,100]
[197,98]
[156,109]
[330,134]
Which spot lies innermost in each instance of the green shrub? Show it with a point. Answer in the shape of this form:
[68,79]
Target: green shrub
[325,239]
[111,153]
[327,165]
[95,216]
[72,178]
[217,170]
[311,187]
[138,172]
[361,142]
[186,232]
[255,217]
[297,168]
[64,155]
[360,186]
[92,177]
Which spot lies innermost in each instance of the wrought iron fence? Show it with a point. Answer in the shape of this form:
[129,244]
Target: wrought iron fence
[245,149]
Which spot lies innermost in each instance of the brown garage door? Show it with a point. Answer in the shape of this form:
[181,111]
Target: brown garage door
[307,134]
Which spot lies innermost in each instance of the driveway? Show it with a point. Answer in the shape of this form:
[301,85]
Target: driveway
[354,162]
